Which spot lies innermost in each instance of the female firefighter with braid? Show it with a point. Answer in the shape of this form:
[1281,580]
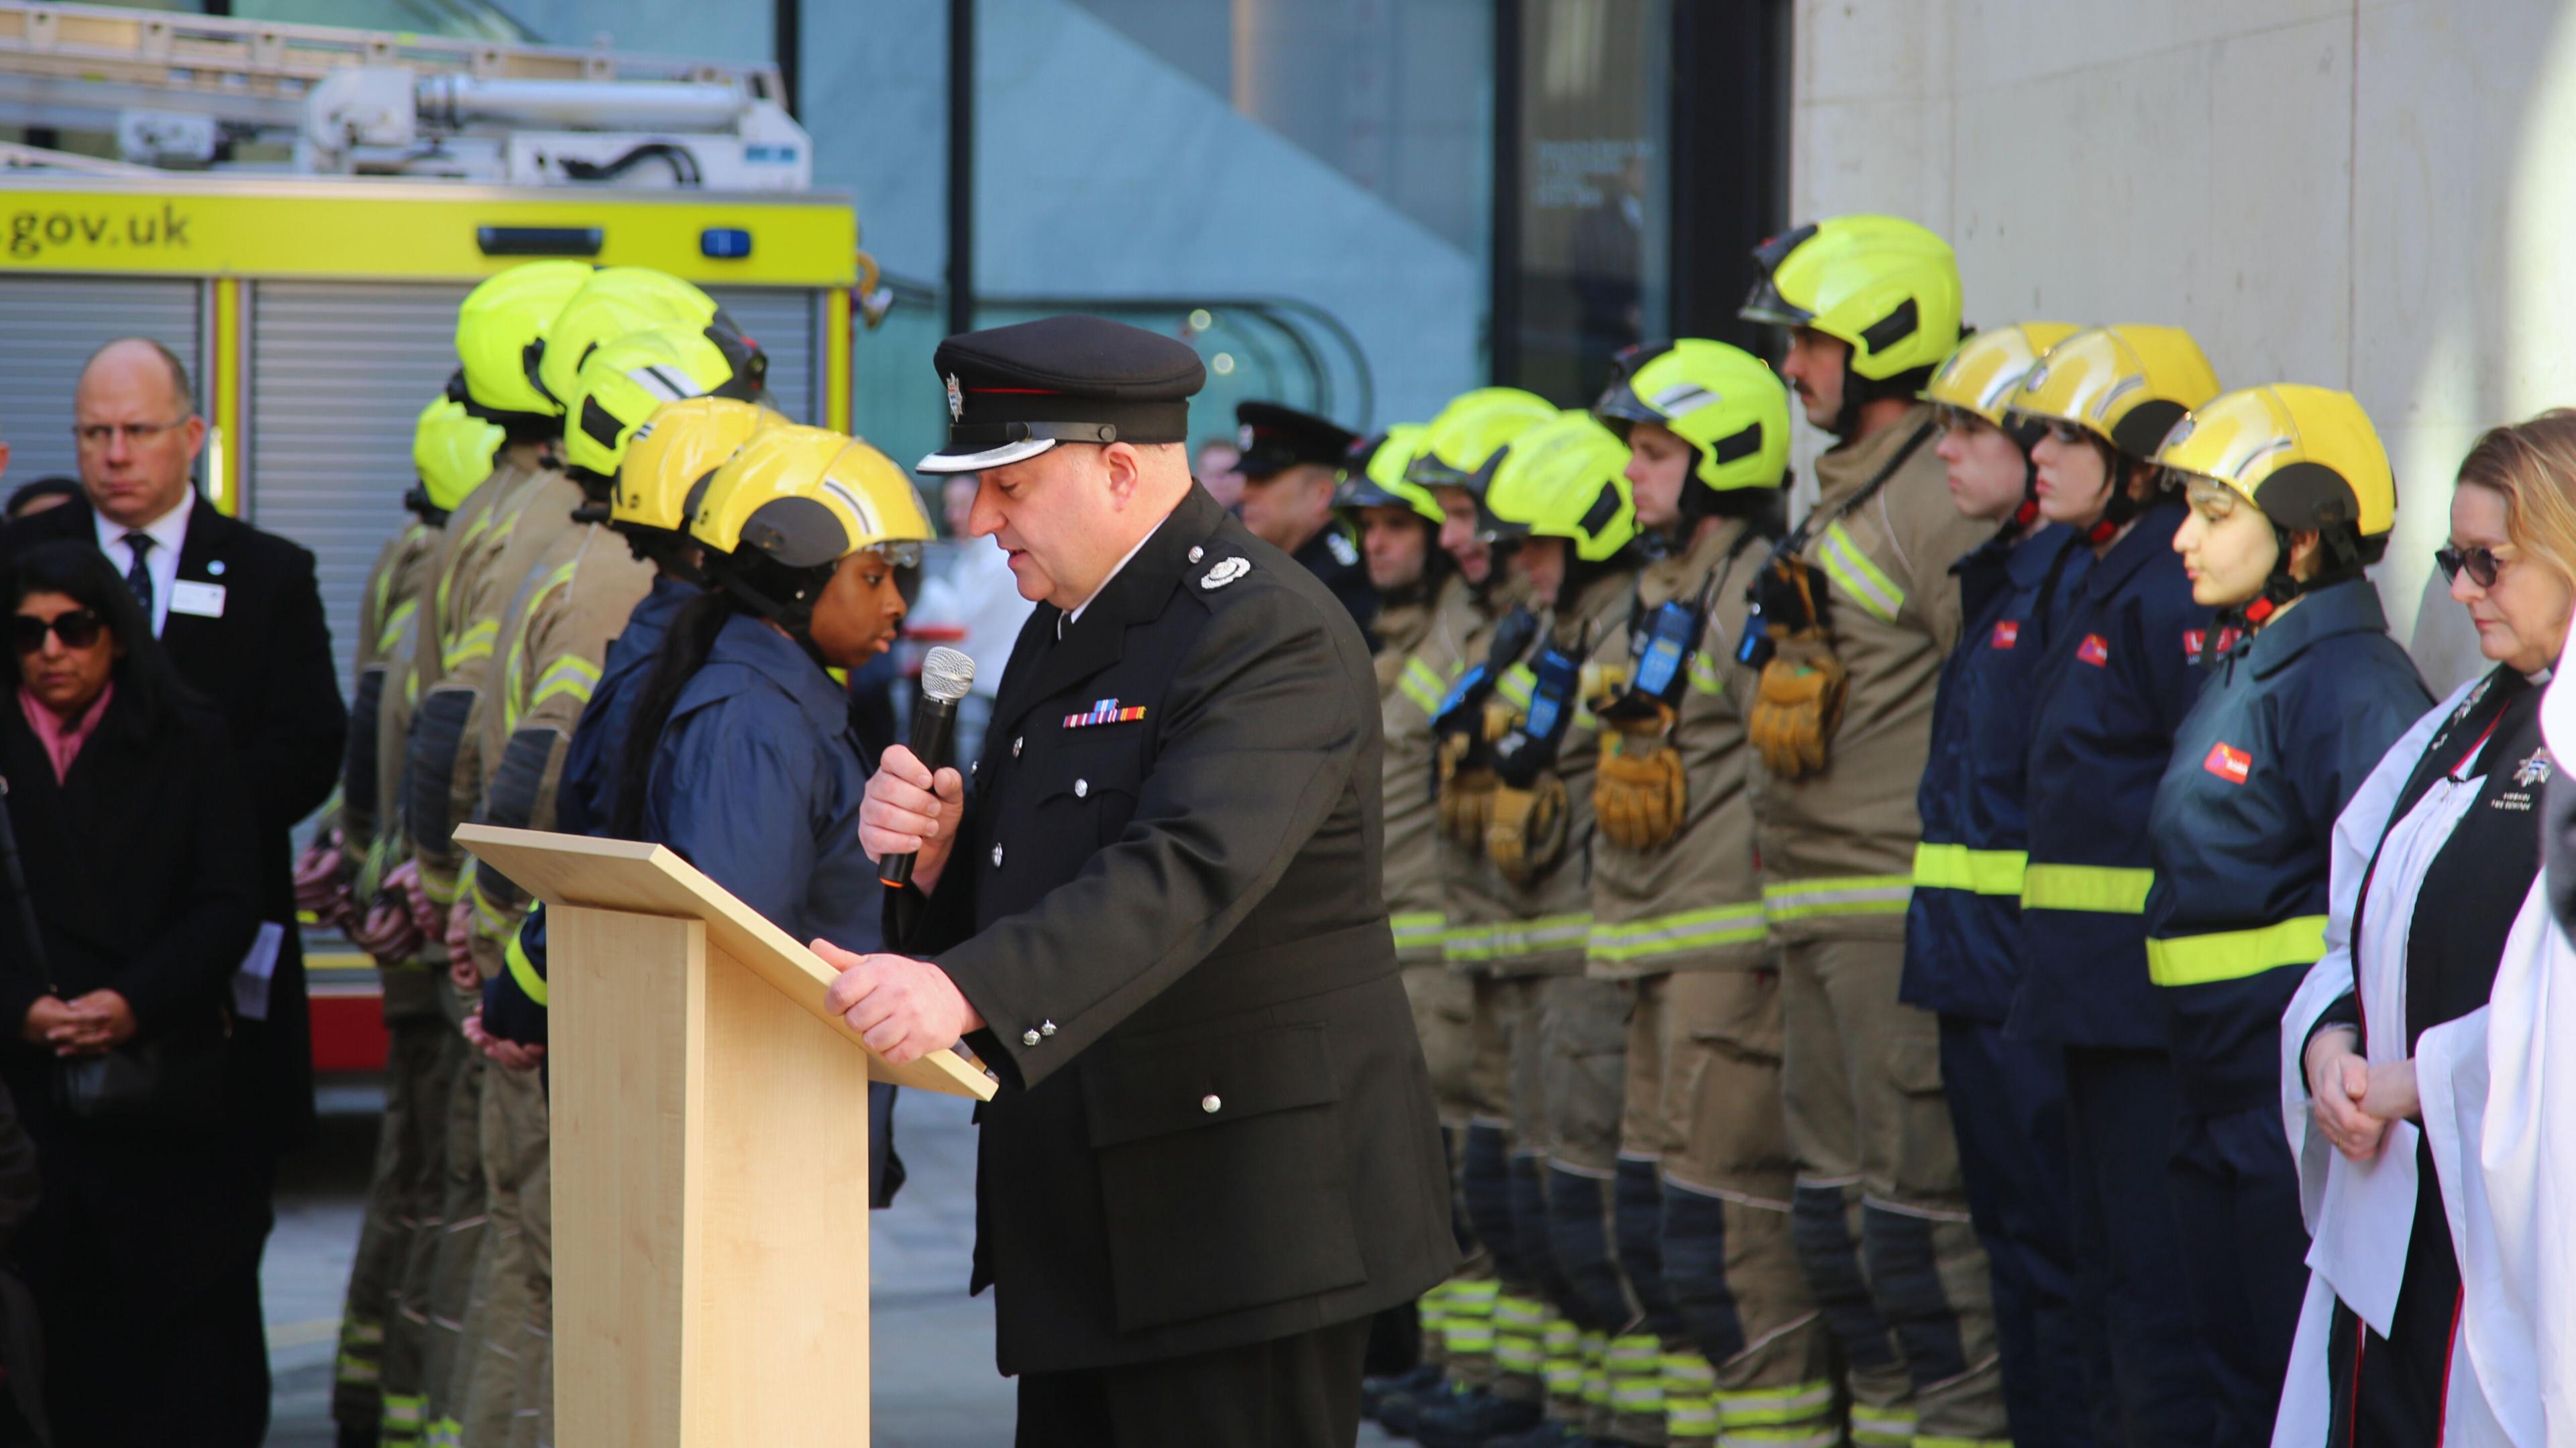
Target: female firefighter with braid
[2291,497]
[2118,678]
[1704,1175]
[741,756]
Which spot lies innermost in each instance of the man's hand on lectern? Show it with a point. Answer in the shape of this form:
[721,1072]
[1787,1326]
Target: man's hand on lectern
[903,1008]
[910,811]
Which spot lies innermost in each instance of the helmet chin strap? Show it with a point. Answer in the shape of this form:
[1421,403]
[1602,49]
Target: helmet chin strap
[2123,506]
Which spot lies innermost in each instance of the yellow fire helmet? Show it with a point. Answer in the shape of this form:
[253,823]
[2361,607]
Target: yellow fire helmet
[502,318]
[1884,285]
[1380,482]
[615,301]
[2127,385]
[1982,375]
[1724,401]
[621,384]
[804,498]
[676,449]
[1564,478]
[2307,456]
[1461,446]
[452,450]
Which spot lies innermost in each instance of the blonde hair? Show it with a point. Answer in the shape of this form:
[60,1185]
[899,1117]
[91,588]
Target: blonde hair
[2533,466]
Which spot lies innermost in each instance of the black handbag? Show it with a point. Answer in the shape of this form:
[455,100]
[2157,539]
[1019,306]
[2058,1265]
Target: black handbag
[173,1080]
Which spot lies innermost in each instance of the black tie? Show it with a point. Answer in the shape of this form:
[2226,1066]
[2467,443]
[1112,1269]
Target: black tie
[139,577]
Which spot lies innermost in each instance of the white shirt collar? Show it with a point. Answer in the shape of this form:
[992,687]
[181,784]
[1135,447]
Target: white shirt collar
[1076,615]
[167,532]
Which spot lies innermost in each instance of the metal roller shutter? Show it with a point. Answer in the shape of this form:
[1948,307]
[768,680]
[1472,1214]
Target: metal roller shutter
[782,322]
[338,373]
[48,327]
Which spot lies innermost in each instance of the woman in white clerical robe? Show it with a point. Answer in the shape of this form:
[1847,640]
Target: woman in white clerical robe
[2392,1093]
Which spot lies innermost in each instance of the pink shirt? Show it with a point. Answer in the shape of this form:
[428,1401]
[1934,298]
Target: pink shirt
[63,741]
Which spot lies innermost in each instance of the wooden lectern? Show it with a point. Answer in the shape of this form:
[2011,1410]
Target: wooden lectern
[710,1131]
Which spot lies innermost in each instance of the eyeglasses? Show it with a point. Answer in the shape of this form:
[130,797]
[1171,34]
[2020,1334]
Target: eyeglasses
[78,629]
[100,434]
[2482,564]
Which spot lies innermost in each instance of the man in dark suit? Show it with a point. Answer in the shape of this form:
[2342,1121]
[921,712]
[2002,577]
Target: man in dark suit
[1214,1153]
[241,615]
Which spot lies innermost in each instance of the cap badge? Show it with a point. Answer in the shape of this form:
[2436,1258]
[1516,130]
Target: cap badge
[956,400]
[1243,435]
[1226,571]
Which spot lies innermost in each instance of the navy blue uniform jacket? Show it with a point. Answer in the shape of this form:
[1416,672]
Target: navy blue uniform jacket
[1215,1126]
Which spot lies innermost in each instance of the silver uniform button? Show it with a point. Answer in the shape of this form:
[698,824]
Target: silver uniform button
[1028,1038]
[1209,1103]
[1046,1028]
[1197,553]
[1015,746]
[997,857]
[1081,788]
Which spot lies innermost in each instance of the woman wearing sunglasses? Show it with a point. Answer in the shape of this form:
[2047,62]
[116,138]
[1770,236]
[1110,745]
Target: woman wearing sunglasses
[2290,499]
[2433,861]
[140,849]
[2116,681]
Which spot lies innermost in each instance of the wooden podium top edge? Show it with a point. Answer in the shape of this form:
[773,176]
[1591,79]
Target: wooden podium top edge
[580,871]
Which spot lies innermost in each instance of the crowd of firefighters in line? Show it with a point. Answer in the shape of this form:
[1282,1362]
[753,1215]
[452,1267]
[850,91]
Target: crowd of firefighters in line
[1850,1027]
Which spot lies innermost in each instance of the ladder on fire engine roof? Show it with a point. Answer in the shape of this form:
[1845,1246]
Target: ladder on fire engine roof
[58,61]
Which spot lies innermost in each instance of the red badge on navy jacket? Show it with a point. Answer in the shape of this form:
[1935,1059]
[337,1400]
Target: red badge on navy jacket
[2094,651]
[2228,762]
[2228,638]
[2007,633]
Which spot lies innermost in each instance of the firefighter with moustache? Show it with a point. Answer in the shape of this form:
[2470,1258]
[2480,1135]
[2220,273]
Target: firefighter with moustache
[2117,677]
[1491,1323]
[1963,927]
[1704,1177]
[1857,613]
[2291,497]
[1556,505]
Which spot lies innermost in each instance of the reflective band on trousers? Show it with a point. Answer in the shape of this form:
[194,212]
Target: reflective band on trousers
[1870,588]
[1842,895]
[2236,954]
[1772,1407]
[1683,930]
[1467,942]
[1881,1425]
[2103,889]
[1956,867]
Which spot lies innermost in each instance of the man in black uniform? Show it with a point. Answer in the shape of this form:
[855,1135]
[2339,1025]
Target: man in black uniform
[1214,1153]
[1292,462]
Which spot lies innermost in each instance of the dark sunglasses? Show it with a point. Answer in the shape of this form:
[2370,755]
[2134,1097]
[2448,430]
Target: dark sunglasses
[78,629]
[2481,564]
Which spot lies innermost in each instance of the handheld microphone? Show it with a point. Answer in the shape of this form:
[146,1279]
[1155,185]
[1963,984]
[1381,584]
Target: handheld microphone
[946,676]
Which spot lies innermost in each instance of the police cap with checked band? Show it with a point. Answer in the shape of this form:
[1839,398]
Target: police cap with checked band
[1275,438]
[1016,391]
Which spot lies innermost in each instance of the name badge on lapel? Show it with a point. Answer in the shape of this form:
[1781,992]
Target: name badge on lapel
[205,600]
[1104,712]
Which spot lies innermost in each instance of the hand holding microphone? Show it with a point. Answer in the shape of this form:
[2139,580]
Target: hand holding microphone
[908,822]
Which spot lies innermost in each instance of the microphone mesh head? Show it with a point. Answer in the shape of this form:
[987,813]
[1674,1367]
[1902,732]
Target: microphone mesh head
[947,675]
